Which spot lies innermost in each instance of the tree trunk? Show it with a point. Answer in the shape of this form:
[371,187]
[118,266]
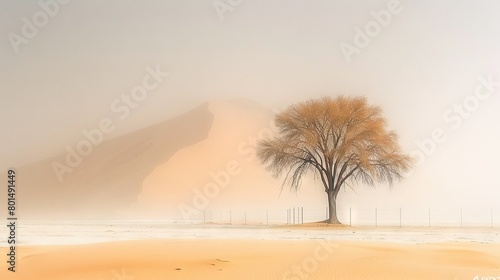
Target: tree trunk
[332,208]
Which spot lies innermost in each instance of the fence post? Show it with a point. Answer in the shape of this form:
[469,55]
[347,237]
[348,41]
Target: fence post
[400,225]
[461,220]
[376,222]
[350,217]
[302,215]
[491,217]
[429,217]
[245,217]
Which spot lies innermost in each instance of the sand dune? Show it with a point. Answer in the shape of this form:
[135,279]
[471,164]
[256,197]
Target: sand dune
[232,140]
[110,177]
[255,259]
[157,168]
[173,181]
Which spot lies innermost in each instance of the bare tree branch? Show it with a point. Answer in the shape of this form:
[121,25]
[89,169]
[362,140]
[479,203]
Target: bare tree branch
[341,139]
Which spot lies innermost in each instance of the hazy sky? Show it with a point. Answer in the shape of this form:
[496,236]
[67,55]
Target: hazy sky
[427,58]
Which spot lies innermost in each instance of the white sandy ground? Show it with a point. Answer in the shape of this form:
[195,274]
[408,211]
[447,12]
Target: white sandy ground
[254,259]
[83,232]
[142,251]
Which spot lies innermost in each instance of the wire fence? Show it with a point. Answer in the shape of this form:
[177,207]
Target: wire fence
[377,217]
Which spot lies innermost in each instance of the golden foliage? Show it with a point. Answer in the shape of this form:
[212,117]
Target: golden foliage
[341,138]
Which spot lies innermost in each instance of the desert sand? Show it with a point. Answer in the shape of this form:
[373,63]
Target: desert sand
[254,259]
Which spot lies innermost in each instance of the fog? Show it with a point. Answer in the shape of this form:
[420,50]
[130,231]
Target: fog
[432,67]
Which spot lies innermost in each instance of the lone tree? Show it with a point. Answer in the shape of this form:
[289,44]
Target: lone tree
[342,140]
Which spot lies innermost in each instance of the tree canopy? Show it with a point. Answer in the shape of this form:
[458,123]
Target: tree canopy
[342,139]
